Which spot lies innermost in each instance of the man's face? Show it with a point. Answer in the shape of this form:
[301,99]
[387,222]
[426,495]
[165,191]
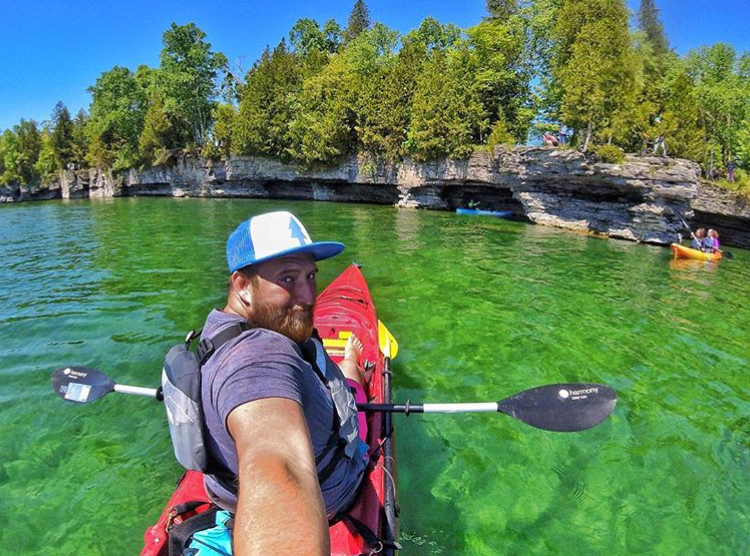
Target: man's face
[283,296]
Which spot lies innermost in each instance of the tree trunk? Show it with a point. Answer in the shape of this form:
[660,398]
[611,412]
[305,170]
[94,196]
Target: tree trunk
[588,137]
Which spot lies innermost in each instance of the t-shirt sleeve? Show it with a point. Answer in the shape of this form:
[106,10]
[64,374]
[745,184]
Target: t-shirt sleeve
[246,376]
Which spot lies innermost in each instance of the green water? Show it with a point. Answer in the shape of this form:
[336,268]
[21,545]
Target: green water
[482,309]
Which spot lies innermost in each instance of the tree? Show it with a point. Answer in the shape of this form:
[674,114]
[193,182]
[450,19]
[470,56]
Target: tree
[306,37]
[322,129]
[650,23]
[10,159]
[501,10]
[269,104]
[19,151]
[447,114]
[359,20]
[159,136]
[80,147]
[62,137]
[503,76]
[595,67]
[723,91]
[47,164]
[118,108]
[187,81]
[224,122]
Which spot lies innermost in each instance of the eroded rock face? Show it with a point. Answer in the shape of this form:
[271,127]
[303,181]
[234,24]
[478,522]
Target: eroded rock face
[640,199]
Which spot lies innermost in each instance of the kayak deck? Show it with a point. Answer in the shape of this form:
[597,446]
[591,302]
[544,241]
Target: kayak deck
[345,307]
[682,252]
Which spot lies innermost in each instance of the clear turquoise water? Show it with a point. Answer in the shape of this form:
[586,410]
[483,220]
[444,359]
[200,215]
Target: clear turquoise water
[482,309]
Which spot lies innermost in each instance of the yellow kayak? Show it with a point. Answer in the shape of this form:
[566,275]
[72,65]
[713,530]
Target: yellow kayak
[682,252]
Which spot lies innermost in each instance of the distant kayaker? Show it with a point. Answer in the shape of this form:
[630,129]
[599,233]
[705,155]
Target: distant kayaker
[699,239]
[711,242]
[280,415]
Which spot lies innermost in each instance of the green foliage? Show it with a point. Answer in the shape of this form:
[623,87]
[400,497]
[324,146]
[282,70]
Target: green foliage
[359,20]
[650,23]
[80,143]
[431,34]
[62,138]
[19,151]
[503,72]
[159,136]
[269,104]
[118,109]
[306,37]
[447,113]
[187,81]
[225,117]
[322,128]
[384,105]
[48,162]
[595,66]
[722,87]
[10,159]
[609,154]
[500,135]
[502,9]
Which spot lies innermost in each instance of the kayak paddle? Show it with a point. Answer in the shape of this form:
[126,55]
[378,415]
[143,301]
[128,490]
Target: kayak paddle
[387,342]
[83,385]
[555,407]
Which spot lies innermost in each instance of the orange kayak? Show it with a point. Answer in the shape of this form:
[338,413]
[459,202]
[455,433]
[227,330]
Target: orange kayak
[682,252]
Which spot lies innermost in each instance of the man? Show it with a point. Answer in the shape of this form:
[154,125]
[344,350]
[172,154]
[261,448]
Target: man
[277,415]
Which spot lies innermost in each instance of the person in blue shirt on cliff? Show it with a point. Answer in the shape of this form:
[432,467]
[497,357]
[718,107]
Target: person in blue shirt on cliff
[270,395]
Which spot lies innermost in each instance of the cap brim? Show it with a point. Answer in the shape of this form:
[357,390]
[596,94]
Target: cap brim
[320,250]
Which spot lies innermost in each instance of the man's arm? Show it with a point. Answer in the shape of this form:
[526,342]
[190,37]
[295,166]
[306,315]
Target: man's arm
[280,509]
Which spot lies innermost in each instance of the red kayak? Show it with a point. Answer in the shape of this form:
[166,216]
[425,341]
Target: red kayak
[344,307]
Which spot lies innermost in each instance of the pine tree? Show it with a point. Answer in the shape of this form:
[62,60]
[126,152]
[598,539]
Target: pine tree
[359,20]
[650,23]
[595,67]
[447,114]
[80,147]
[269,101]
[62,138]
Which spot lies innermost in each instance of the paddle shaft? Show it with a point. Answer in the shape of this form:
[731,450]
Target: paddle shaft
[479,407]
[137,390]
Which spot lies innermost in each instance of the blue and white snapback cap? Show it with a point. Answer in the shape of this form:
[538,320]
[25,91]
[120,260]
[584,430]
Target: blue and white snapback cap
[272,235]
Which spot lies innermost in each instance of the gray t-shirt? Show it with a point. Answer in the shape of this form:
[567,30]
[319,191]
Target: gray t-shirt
[262,364]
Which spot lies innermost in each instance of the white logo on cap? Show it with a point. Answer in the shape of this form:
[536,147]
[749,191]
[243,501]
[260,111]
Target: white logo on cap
[276,232]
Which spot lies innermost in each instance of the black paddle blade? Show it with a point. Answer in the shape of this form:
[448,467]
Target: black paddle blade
[561,407]
[81,384]
[727,254]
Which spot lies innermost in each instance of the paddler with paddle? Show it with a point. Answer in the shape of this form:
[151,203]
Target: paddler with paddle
[280,415]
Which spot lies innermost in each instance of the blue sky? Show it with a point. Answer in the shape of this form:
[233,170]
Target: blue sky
[54,50]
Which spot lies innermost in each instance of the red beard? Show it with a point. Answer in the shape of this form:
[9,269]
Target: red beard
[295,322]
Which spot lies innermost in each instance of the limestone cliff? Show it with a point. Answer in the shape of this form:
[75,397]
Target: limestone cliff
[637,200]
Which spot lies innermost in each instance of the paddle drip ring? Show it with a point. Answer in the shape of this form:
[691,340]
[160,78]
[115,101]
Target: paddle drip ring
[407,407]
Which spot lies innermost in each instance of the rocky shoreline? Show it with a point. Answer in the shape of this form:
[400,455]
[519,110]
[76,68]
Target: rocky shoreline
[638,200]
